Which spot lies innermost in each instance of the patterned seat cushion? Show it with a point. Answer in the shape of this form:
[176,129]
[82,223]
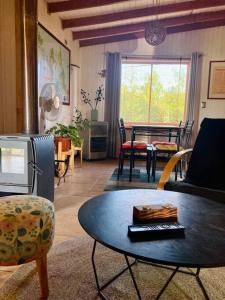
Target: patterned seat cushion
[26,228]
[136,144]
[155,143]
[165,146]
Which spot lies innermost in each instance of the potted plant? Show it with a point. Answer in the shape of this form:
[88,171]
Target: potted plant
[78,121]
[61,134]
[70,133]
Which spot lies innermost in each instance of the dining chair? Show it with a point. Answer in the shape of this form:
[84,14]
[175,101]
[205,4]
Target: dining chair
[182,141]
[129,149]
[187,134]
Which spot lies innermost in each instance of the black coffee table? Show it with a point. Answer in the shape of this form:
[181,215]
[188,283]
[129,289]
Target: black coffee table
[106,218]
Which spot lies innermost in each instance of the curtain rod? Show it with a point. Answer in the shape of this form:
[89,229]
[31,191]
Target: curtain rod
[128,56]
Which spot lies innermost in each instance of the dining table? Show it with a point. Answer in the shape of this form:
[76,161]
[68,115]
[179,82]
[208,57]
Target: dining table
[170,131]
[162,130]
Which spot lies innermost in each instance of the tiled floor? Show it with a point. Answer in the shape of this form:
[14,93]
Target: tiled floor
[86,182]
[80,185]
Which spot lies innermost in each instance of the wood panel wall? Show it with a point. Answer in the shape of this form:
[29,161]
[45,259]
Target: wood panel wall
[10,68]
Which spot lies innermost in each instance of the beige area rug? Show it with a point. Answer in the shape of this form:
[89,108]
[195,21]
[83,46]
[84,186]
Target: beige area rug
[71,277]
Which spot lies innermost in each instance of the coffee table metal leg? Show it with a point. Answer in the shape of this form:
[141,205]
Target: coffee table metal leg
[167,283]
[133,278]
[129,265]
[94,268]
[201,284]
[196,275]
[101,288]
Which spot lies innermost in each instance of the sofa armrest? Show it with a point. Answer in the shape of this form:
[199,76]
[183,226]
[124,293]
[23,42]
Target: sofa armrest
[170,166]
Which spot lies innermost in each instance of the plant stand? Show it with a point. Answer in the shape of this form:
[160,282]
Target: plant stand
[65,143]
[61,155]
[79,149]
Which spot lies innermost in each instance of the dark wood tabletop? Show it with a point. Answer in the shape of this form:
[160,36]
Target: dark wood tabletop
[170,131]
[152,126]
[106,218]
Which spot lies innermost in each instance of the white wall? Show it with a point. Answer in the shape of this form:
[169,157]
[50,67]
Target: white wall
[53,23]
[210,42]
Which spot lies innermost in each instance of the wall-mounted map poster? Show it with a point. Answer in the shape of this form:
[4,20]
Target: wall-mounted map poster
[53,64]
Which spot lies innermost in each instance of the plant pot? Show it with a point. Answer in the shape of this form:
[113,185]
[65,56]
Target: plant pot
[66,143]
[94,115]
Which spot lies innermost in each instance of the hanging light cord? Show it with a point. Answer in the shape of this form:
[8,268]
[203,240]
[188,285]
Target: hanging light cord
[155,33]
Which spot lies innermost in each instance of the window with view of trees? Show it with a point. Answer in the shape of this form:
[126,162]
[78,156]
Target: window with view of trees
[154,92]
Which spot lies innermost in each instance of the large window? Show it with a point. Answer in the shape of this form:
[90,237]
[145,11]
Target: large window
[154,92]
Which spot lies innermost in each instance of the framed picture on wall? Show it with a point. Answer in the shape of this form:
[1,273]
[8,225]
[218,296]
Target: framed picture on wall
[216,83]
[53,64]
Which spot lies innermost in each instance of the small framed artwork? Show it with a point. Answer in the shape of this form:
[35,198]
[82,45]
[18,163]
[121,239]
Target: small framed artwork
[53,64]
[216,83]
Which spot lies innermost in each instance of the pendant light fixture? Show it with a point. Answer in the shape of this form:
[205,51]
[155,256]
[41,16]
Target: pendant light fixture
[155,32]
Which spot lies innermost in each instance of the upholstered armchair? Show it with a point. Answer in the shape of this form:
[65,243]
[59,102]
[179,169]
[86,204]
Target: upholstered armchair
[205,172]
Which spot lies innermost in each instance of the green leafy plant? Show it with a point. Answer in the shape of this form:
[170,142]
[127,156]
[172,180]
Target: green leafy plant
[73,131]
[78,121]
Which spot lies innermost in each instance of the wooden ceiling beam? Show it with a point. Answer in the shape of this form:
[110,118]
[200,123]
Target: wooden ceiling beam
[141,34]
[112,39]
[142,12]
[61,6]
[194,18]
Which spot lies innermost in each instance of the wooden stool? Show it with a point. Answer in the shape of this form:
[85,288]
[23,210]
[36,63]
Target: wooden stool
[27,231]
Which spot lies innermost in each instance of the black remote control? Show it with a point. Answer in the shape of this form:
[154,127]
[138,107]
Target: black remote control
[155,229]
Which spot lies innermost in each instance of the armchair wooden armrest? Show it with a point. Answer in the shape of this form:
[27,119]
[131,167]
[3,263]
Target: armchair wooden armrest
[170,166]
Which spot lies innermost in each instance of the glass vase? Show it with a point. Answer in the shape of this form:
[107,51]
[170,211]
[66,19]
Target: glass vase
[94,115]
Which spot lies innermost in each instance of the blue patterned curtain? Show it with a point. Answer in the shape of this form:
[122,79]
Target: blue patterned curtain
[194,91]
[112,99]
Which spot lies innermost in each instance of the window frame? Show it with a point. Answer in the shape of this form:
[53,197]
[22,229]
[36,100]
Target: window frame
[152,61]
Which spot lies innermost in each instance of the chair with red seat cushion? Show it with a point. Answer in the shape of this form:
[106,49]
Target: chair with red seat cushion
[126,148]
[182,140]
[136,145]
